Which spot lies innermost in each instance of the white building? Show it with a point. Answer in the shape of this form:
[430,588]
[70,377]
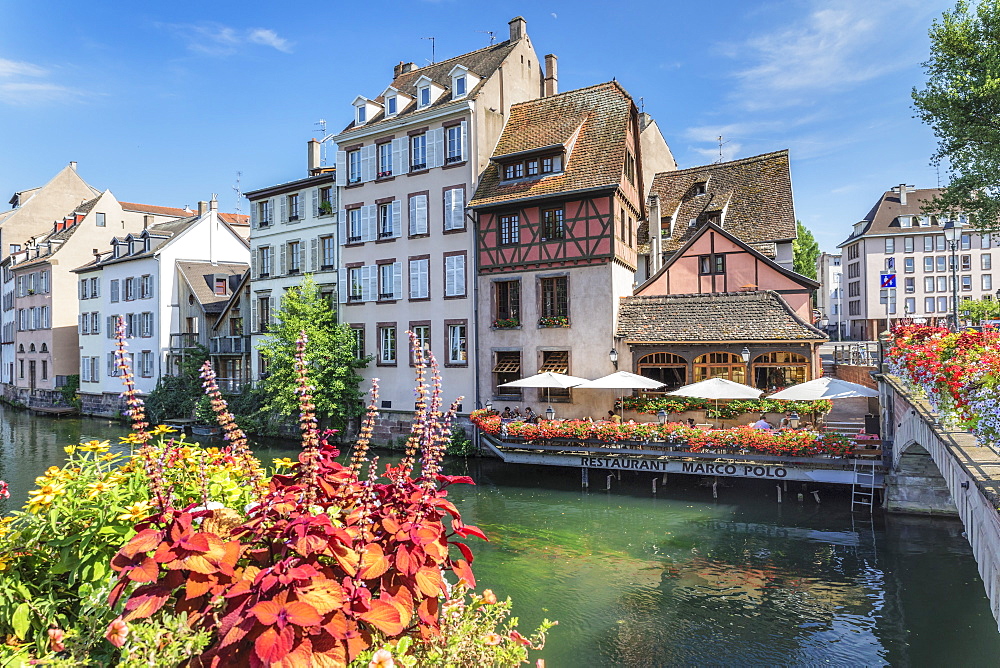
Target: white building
[293,232]
[830,296]
[408,164]
[142,279]
[897,238]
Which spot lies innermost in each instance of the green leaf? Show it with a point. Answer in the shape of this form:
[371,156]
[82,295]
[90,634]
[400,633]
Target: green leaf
[21,621]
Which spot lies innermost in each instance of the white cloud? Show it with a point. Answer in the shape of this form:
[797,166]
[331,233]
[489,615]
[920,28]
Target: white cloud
[24,83]
[215,39]
[12,68]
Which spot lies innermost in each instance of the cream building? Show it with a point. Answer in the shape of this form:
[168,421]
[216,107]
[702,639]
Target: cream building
[407,165]
[830,296]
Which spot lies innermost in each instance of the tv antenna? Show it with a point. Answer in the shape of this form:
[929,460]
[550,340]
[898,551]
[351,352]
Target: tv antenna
[321,123]
[433,51]
[642,105]
[721,144]
[239,194]
[493,35]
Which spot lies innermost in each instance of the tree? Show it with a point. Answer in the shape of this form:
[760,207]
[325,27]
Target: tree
[961,104]
[977,311]
[177,396]
[330,355]
[805,250]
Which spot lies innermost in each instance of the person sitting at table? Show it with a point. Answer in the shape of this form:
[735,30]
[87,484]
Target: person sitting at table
[529,415]
[506,415]
[614,417]
[691,423]
[517,413]
[786,422]
[762,423]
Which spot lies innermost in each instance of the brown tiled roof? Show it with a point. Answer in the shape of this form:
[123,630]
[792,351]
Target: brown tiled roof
[731,316]
[884,216]
[237,219]
[201,277]
[158,210]
[756,193]
[483,63]
[87,206]
[593,122]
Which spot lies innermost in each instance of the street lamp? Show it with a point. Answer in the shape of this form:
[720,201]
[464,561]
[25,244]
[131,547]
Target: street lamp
[745,354]
[550,414]
[661,416]
[953,234]
[614,357]
[793,420]
[489,406]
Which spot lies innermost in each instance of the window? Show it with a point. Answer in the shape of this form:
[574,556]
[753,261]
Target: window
[966,263]
[928,244]
[711,264]
[454,152]
[454,275]
[390,106]
[555,298]
[907,244]
[908,265]
[43,282]
[146,364]
[22,289]
[925,221]
[263,213]
[939,242]
[906,221]
[387,344]
[929,284]
[387,278]
[294,257]
[130,289]
[985,261]
[890,263]
[357,278]
[454,209]
[294,203]
[101,220]
[325,201]
[720,365]
[531,167]
[264,257]
[146,287]
[362,114]
[457,344]
[890,245]
[385,229]
[942,263]
[853,270]
[942,304]
[985,241]
[358,340]
[424,96]
[987,281]
[506,369]
[779,369]
[354,166]
[326,249]
[263,313]
[418,214]
[95,287]
[514,171]
[235,326]
[221,287]
[95,320]
[700,188]
[910,305]
[942,284]
[354,231]
[507,297]
[910,284]
[552,223]
[418,152]
[928,263]
[854,289]
[422,334]
[630,167]
[854,308]
[510,229]
[419,283]
[966,242]
[384,160]
[460,83]
[966,283]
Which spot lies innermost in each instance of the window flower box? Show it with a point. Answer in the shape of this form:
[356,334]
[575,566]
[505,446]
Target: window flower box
[553,321]
[506,323]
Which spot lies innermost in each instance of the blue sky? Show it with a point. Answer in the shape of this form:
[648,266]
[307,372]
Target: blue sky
[164,103]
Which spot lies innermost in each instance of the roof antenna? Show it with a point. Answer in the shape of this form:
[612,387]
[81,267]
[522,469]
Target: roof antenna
[642,105]
[239,194]
[433,53]
[721,144]
[322,128]
[492,35]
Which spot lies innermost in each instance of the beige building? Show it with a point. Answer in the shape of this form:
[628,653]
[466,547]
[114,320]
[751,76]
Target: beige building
[407,166]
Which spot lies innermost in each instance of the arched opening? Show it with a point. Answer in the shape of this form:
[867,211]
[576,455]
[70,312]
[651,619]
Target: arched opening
[780,369]
[31,348]
[44,348]
[20,348]
[720,365]
[667,368]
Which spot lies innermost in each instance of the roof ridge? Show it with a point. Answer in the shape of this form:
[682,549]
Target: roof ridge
[614,83]
[463,55]
[713,165]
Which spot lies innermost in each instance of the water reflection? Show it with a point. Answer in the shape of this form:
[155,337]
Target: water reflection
[679,579]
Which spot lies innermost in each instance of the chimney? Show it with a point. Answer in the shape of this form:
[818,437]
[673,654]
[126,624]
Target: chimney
[72,165]
[97,254]
[313,156]
[147,220]
[518,28]
[397,70]
[551,75]
[202,208]
[213,205]
[902,194]
[655,234]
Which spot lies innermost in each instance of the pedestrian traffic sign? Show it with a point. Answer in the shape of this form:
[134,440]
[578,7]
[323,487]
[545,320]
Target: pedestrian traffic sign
[888,280]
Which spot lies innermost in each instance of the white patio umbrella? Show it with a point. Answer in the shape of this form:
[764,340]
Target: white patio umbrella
[621,380]
[547,380]
[717,388]
[824,388]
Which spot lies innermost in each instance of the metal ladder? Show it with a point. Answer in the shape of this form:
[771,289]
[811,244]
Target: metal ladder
[863,485]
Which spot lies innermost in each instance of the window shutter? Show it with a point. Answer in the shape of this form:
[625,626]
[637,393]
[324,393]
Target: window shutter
[458,208]
[459,274]
[79,326]
[284,209]
[431,148]
[438,135]
[369,220]
[418,219]
[368,163]
[254,325]
[341,168]
[253,215]
[342,226]
[414,279]
[111,364]
[254,267]
[449,275]
[20,286]
[343,287]
[372,283]
[272,311]
[397,280]
[400,156]
[284,259]
[150,290]
[84,369]
[448,197]
[314,245]
[270,211]
[315,202]
[465,140]
[397,227]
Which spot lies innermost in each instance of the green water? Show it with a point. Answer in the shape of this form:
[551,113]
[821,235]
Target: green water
[680,579]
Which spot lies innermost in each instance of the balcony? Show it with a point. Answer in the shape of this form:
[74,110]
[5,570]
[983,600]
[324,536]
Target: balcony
[233,385]
[186,341]
[229,345]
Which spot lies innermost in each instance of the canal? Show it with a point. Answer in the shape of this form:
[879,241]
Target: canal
[679,579]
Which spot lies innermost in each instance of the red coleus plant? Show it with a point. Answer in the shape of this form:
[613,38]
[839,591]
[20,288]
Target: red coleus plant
[327,563]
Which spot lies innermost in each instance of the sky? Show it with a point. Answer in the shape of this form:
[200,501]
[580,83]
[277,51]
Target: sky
[167,103]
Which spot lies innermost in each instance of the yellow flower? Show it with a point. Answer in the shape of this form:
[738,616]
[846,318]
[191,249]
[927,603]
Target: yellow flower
[44,496]
[161,429]
[70,449]
[99,487]
[111,456]
[131,439]
[136,511]
[5,526]
[95,446]
[284,463]
[4,564]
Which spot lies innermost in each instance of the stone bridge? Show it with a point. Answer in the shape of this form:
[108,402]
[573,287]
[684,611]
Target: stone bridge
[936,470]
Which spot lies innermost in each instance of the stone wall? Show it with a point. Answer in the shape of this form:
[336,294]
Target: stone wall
[20,396]
[856,374]
[102,405]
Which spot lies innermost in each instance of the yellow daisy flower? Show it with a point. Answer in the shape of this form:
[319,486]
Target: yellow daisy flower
[136,511]
[284,463]
[131,439]
[161,429]
[44,496]
[99,487]
[70,449]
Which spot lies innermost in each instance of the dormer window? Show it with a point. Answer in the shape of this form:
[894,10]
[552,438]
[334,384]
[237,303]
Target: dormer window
[364,110]
[925,221]
[390,106]
[361,116]
[700,187]
[531,167]
[906,221]
[459,87]
[427,91]
[461,81]
[424,96]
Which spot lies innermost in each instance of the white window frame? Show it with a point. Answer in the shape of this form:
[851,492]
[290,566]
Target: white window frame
[458,344]
[387,345]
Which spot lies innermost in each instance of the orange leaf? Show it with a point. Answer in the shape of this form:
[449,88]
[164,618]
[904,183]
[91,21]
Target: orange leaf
[428,611]
[144,541]
[302,614]
[267,612]
[403,561]
[464,572]
[347,558]
[194,562]
[144,572]
[429,581]
[324,595]
[383,616]
[390,525]
[196,585]
[273,644]
[373,562]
